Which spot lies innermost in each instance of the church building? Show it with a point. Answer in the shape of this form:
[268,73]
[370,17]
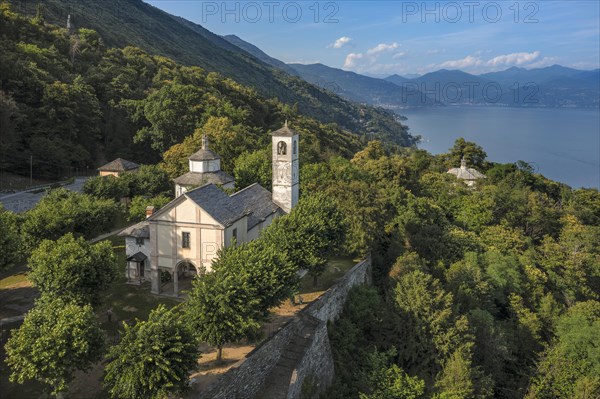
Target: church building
[468,175]
[180,241]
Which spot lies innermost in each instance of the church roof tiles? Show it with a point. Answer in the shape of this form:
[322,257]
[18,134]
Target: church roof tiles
[198,178]
[119,165]
[253,201]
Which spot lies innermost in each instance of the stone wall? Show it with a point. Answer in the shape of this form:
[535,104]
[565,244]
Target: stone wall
[245,378]
[330,304]
[315,369]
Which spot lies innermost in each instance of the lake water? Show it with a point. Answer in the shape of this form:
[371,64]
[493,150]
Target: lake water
[562,144]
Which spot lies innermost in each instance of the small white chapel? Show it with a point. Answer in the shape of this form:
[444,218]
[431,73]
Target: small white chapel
[180,241]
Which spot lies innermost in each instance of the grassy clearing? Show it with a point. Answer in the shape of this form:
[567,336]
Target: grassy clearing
[335,270]
[15,281]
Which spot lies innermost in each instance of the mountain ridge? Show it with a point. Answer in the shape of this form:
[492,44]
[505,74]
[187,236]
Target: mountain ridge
[123,23]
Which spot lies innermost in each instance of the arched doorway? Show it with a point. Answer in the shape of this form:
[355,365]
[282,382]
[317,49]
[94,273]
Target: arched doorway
[186,271]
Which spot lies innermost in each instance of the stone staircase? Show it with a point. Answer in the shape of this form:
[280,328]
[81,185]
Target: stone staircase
[277,383]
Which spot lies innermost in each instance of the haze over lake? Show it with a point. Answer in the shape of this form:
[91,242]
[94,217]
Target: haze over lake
[562,144]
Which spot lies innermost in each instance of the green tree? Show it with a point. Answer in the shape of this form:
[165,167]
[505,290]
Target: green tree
[390,381]
[10,240]
[149,180]
[460,379]
[270,276]
[437,331]
[153,358]
[71,268]
[56,338]
[61,211]
[253,167]
[106,187]
[467,281]
[222,309]
[172,112]
[138,205]
[571,365]
[310,234]
[473,153]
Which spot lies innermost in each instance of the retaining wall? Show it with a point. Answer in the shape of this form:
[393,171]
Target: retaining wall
[245,379]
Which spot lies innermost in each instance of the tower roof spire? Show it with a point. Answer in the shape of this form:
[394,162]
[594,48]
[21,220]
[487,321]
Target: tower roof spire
[204,142]
[463,163]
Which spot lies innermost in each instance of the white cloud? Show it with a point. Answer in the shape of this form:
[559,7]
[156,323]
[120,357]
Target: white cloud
[339,43]
[467,62]
[369,58]
[499,62]
[513,59]
[382,48]
[351,59]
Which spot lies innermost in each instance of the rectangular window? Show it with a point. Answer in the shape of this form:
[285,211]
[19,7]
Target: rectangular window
[234,235]
[185,240]
[139,241]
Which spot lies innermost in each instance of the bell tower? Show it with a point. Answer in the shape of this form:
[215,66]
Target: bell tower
[286,172]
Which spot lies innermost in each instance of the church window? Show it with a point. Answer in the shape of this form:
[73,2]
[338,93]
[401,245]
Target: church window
[281,148]
[185,240]
[234,235]
[295,150]
[139,241]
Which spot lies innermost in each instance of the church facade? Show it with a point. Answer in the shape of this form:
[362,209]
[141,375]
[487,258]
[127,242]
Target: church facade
[180,241]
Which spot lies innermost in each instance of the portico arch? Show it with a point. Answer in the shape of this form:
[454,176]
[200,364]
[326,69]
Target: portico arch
[185,271]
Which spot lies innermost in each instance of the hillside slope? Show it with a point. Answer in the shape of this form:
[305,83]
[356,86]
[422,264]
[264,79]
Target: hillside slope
[123,23]
[259,54]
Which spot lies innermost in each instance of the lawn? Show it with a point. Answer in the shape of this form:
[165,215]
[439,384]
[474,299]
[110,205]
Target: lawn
[16,280]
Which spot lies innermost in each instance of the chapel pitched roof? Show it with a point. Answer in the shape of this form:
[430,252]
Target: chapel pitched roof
[284,131]
[204,154]
[257,201]
[119,165]
[216,203]
[465,173]
[139,230]
[200,178]
[254,201]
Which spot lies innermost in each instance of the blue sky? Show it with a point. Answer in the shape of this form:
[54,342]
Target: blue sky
[384,37]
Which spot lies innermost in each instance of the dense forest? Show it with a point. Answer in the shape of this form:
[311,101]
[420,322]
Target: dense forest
[489,291]
[72,102]
[479,292]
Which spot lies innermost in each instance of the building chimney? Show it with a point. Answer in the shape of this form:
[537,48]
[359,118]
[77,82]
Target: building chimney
[149,211]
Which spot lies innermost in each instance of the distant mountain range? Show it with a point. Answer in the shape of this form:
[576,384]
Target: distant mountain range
[133,22]
[553,86]
[362,89]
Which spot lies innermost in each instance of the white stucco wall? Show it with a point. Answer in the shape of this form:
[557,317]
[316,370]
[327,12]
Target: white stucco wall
[131,248]
[205,166]
[242,231]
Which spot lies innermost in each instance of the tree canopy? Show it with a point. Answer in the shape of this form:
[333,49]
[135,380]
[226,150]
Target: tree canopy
[153,358]
[56,338]
[72,269]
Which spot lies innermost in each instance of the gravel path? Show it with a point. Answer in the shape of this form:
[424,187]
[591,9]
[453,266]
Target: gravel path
[24,201]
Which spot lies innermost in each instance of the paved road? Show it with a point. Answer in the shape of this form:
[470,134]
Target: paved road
[24,201]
